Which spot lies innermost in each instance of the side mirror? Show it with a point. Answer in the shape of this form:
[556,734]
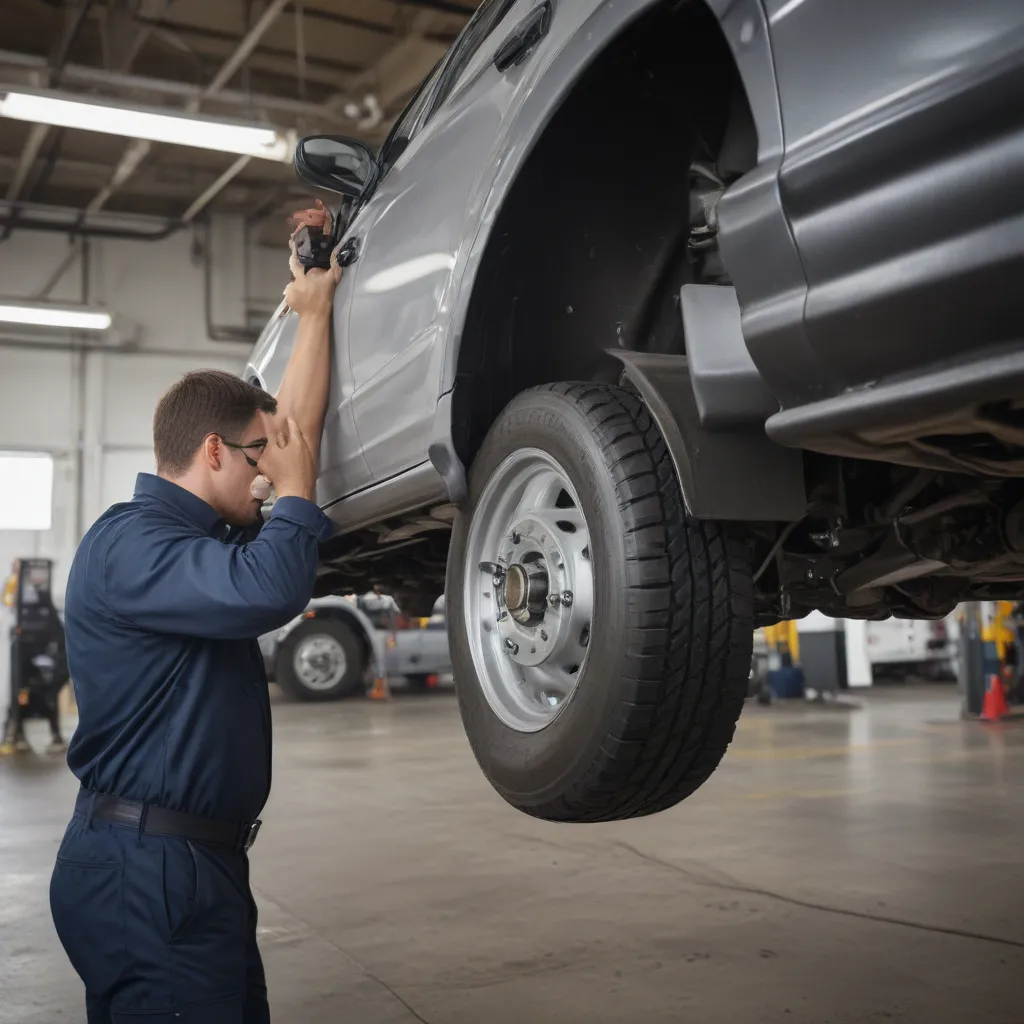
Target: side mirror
[335,163]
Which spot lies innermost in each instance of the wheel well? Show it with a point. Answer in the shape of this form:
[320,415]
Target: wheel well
[591,245]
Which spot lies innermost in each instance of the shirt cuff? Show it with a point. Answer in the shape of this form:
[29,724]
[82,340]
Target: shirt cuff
[304,513]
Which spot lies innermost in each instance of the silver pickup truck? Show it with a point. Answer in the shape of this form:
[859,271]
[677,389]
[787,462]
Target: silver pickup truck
[338,645]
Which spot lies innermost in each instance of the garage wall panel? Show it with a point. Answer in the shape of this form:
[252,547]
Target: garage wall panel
[134,384]
[158,286]
[29,258]
[119,470]
[37,398]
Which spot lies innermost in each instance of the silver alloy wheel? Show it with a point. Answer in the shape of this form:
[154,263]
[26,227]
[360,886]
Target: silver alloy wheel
[528,590]
[320,662]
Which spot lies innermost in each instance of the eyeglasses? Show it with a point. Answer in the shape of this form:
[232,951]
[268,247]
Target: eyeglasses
[243,448]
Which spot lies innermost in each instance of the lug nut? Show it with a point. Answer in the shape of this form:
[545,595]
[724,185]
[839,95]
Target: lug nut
[511,646]
[493,569]
[544,635]
[567,598]
[586,552]
[515,537]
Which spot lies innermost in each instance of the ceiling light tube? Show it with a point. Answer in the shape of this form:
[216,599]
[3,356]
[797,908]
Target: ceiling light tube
[74,317]
[67,110]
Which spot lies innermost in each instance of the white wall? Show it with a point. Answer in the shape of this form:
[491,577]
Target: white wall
[94,409]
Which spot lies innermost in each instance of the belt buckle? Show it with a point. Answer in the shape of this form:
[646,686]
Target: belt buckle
[254,831]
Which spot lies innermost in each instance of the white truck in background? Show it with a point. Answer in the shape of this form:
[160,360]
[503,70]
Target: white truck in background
[923,648]
[339,645]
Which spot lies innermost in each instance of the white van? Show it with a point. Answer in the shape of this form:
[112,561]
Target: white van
[914,647]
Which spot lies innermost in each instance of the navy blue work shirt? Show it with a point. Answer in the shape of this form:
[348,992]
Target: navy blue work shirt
[163,607]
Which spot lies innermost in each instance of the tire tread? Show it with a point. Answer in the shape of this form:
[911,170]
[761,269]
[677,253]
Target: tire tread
[688,649]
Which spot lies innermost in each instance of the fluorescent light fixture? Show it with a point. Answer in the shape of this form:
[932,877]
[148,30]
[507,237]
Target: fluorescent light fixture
[66,110]
[78,318]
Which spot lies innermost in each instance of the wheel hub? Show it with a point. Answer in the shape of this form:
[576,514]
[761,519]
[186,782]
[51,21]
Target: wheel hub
[320,662]
[529,590]
[526,591]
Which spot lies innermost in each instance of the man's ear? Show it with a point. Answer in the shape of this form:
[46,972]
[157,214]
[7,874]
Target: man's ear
[212,451]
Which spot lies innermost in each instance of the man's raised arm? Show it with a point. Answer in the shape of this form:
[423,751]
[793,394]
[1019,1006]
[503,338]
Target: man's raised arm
[306,382]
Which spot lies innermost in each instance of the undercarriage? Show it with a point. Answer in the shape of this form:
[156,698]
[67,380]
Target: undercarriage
[883,540]
[877,540]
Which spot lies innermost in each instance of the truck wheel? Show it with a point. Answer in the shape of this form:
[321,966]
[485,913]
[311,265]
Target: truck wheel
[322,659]
[600,637]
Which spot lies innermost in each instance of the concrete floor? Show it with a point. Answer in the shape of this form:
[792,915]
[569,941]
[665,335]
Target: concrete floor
[841,866]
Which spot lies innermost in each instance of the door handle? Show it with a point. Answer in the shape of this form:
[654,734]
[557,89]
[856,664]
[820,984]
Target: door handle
[524,37]
[349,252]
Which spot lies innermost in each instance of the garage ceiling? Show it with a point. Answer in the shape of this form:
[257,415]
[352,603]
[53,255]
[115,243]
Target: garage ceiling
[336,66]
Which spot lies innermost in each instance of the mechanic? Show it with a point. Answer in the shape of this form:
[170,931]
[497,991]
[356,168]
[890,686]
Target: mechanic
[167,593]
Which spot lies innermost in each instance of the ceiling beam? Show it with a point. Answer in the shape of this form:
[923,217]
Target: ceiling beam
[444,6]
[178,181]
[25,67]
[212,191]
[224,42]
[348,21]
[399,70]
[26,161]
[138,149]
[245,47]
[51,76]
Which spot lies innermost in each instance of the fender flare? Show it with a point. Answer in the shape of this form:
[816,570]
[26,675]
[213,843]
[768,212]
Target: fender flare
[736,474]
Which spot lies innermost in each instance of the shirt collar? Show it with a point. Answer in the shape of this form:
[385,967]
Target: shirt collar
[204,516]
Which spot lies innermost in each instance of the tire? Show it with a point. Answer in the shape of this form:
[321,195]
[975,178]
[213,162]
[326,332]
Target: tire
[665,667]
[314,643]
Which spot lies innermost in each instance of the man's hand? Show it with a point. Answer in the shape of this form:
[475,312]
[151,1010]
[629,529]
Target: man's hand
[288,463]
[320,217]
[311,292]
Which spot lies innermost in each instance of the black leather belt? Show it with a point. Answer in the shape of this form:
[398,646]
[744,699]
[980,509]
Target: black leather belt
[159,821]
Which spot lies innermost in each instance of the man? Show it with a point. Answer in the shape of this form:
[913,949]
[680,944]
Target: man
[150,894]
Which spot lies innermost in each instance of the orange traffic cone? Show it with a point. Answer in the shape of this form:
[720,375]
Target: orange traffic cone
[380,689]
[994,706]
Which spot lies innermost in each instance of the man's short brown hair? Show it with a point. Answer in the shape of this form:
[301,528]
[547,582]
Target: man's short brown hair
[203,402]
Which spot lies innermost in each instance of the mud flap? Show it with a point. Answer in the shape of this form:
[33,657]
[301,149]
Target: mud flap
[726,474]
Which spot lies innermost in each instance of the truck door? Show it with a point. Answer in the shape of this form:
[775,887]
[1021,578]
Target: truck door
[410,232]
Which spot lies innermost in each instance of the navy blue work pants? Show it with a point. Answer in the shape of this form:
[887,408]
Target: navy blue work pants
[159,929]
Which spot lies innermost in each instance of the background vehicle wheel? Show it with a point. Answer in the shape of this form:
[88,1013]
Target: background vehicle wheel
[322,659]
[600,638]
[418,683]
